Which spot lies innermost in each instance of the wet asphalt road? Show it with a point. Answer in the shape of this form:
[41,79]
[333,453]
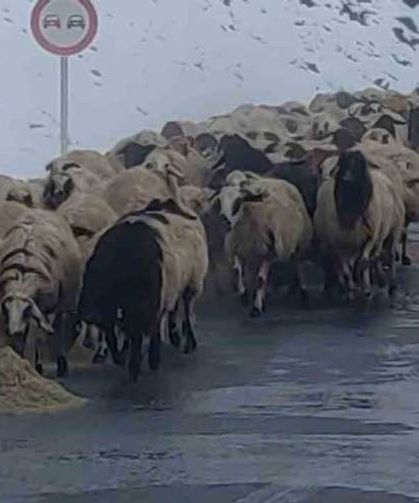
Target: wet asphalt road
[314,406]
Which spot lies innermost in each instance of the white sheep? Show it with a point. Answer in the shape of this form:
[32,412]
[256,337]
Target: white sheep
[383,151]
[269,223]
[40,272]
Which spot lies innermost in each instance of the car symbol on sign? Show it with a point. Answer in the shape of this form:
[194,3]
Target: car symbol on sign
[76,21]
[51,20]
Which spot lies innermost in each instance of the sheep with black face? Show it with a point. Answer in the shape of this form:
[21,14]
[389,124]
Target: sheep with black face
[358,222]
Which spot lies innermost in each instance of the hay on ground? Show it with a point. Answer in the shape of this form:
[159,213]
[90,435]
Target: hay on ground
[23,390]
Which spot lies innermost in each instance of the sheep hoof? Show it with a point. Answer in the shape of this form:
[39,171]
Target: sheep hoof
[39,368]
[174,338]
[62,367]
[406,260]
[255,312]
[190,345]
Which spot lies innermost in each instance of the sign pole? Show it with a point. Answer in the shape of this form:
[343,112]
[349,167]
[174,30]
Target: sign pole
[64,28]
[64,105]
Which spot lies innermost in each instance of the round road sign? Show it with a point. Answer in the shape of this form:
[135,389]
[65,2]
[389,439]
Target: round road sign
[64,27]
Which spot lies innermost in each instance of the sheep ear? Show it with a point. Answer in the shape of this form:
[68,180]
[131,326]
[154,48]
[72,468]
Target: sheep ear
[253,195]
[43,323]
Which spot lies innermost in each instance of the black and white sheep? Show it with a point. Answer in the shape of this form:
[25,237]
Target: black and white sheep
[143,267]
[358,222]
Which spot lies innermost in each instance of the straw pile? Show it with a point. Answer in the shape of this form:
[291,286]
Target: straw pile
[23,390]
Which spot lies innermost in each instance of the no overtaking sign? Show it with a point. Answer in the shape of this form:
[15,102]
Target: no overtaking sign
[64,27]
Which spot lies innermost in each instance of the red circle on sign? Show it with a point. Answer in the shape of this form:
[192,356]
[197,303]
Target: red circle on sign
[55,49]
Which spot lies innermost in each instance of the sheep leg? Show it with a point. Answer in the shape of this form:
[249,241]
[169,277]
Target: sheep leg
[389,252]
[406,260]
[174,336]
[378,272]
[154,349]
[260,295]
[239,281]
[347,279]
[331,277]
[392,283]
[121,353]
[60,336]
[366,278]
[38,357]
[136,342]
[85,335]
[102,349]
[187,328]
[112,344]
[300,283]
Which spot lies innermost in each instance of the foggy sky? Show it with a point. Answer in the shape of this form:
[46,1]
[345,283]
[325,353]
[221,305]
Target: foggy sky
[158,60]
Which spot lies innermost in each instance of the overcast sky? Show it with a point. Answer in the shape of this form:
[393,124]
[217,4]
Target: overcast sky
[157,60]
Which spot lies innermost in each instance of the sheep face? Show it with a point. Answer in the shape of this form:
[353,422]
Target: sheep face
[17,313]
[21,195]
[321,129]
[235,179]
[159,162]
[378,135]
[232,198]
[353,188]
[57,190]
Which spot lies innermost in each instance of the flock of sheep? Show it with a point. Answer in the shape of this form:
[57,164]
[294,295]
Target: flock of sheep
[116,247]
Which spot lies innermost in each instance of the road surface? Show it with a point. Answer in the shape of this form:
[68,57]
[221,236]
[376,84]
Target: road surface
[317,406]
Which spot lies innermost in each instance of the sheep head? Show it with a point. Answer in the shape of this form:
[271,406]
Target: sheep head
[20,194]
[57,190]
[166,164]
[232,197]
[17,312]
